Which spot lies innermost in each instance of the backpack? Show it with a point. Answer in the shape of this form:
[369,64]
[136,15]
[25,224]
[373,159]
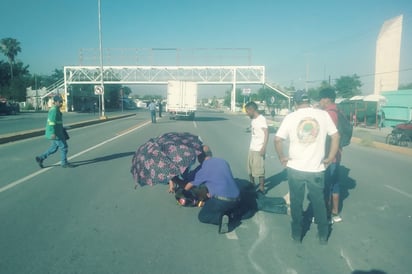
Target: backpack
[345,129]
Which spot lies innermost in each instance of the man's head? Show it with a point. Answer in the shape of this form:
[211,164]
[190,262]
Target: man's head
[251,110]
[58,100]
[327,96]
[206,153]
[301,97]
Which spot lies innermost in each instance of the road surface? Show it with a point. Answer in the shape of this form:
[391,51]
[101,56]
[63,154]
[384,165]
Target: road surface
[90,219]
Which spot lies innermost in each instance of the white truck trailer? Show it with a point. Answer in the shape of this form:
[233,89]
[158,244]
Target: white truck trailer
[181,99]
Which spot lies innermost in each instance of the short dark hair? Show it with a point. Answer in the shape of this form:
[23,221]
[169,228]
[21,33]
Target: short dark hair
[327,93]
[251,105]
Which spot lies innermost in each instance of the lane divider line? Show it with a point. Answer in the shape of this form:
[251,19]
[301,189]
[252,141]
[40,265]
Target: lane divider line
[399,191]
[34,174]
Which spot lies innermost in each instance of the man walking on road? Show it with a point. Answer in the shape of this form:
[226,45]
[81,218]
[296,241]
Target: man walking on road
[327,98]
[55,132]
[307,128]
[152,109]
[257,148]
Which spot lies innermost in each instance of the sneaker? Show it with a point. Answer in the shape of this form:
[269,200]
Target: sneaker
[67,165]
[224,225]
[39,161]
[336,218]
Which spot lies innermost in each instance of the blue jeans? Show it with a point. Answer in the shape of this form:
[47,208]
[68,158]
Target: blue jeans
[214,209]
[153,115]
[55,145]
[315,183]
[332,180]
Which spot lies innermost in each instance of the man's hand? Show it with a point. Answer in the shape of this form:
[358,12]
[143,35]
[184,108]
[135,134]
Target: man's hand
[53,136]
[262,151]
[171,187]
[284,160]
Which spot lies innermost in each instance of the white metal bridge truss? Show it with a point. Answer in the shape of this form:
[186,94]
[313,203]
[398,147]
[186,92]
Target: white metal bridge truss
[126,75]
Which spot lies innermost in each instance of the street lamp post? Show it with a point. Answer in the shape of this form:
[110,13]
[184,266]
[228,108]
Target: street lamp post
[101,60]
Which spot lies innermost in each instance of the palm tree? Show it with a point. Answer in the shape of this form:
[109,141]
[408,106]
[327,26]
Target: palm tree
[10,47]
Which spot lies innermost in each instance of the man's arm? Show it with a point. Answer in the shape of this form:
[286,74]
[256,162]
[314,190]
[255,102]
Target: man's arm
[334,147]
[279,150]
[263,149]
[188,186]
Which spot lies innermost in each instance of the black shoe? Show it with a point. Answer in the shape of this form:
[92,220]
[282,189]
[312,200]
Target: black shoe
[224,225]
[323,240]
[297,239]
[67,165]
[39,161]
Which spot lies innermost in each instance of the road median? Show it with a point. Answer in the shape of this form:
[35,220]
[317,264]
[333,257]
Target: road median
[15,136]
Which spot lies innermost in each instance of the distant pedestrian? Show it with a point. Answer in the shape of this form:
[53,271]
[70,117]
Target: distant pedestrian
[257,147]
[381,119]
[56,133]
[306,129]
[152,109]
[160,108]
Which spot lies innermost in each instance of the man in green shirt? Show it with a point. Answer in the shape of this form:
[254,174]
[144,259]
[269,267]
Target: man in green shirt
[55,133]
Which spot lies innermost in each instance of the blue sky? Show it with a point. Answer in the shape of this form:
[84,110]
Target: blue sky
[290,38]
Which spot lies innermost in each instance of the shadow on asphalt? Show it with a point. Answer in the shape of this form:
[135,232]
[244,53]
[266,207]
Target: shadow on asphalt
[103,158]
[275,180]
[346,183]
[209,119]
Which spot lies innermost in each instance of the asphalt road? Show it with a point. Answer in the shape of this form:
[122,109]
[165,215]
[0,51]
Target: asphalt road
[90,219]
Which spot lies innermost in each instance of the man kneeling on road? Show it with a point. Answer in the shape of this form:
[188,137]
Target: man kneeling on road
[223,191]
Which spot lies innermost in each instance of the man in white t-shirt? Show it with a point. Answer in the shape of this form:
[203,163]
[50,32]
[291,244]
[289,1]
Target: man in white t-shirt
[307,128]
[257,148]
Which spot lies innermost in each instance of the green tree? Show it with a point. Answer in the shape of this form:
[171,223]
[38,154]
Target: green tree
[10,47]
[348,86]
[313,93]
[228,97]
[126,91]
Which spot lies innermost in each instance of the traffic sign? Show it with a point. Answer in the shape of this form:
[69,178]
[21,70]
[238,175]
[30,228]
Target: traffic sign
[246,91]
[98,90]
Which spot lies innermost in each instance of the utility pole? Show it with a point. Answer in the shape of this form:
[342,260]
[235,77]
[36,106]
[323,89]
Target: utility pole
[101,60]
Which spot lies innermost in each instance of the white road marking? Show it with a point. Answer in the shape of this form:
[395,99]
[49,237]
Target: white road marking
[263,231]
[399,191]
[194,124]
[34,174]
[348,262]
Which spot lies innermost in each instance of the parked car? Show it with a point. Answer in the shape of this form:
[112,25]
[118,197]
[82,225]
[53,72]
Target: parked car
[7,108]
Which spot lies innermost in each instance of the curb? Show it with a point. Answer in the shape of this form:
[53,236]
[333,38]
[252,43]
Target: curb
[38,132]
[397,149]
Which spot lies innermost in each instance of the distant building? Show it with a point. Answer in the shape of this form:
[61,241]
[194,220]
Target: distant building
[388,49]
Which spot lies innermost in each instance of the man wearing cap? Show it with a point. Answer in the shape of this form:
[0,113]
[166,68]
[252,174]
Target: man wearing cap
[306,129]
[327,98]
[55,132]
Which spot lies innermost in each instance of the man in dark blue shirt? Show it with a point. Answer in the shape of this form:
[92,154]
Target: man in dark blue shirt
[216,175]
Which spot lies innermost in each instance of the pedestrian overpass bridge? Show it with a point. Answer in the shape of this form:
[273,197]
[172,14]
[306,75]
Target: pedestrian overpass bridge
[135,75]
